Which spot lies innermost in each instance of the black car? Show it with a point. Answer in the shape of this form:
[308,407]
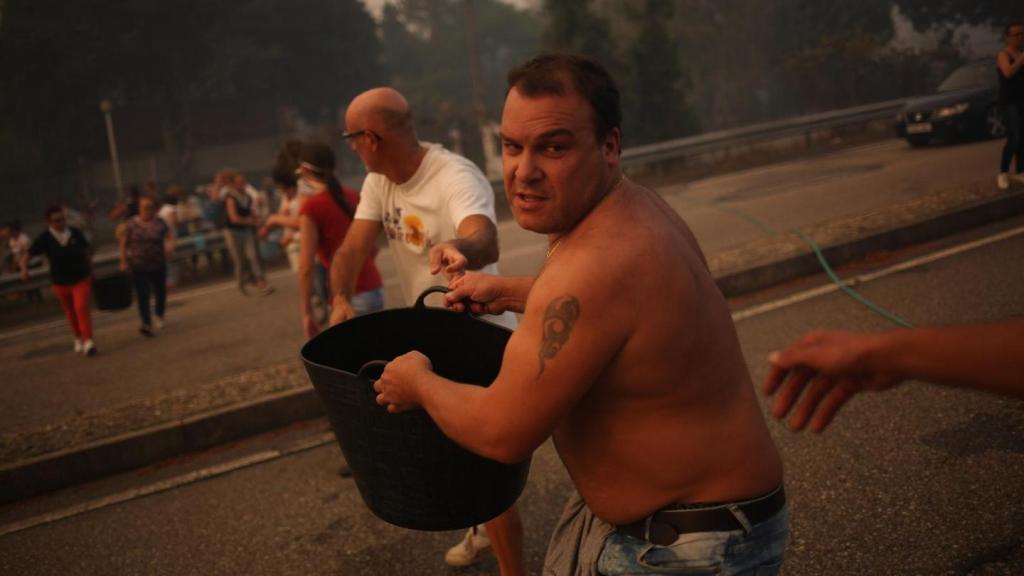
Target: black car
[966,105]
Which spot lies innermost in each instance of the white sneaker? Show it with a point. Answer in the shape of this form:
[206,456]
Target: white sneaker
[1003,181]
[89,348]
[78,345]
[158,322]
[468,550]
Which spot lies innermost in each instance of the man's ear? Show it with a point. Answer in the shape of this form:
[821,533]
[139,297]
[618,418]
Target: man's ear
[612,146]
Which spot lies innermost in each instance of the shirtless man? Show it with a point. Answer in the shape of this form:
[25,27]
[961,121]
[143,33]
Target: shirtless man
[626,354]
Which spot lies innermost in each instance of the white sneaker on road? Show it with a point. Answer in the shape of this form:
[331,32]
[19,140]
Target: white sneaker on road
[1003,181]
[158,322]
[89,348]
[468,550]
[78,346]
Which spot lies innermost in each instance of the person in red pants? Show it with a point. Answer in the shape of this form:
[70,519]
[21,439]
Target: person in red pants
[70,258]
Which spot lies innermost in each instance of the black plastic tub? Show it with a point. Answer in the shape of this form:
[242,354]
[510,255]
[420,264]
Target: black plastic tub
[113,292]
[407,471]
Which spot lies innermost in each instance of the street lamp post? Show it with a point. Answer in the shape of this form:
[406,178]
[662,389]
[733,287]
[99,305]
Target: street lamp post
[106,106]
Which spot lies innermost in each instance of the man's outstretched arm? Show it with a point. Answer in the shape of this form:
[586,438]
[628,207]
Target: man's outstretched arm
[824,369]
[475,247]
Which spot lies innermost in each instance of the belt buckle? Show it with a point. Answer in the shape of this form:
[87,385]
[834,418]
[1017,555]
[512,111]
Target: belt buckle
[660,533]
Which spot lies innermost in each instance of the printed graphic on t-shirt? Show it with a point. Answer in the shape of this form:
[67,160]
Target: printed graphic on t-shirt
[408,229]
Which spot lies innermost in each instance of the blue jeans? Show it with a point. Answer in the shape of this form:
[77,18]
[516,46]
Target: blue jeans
[368,301]
[157,280]
[1014,146]
[757,552]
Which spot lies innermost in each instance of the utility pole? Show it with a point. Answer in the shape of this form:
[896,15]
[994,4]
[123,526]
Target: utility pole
[106,106]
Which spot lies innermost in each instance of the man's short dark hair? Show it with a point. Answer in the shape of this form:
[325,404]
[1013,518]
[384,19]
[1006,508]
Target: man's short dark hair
[52,208]
[1010,26]
[547,74]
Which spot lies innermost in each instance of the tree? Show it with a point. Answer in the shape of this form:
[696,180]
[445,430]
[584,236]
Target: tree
[654,93]
[925,14]
[164,62]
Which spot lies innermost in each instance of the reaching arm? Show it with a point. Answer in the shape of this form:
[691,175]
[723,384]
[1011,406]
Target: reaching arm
[309,237]
[571,331]
[475,247]
[231,205]
[1007,69]
[489,294]
[346,264]
[834,366]
[122,250]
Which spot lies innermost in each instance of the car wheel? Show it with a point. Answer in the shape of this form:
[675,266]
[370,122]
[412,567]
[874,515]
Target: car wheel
[995,125]
[918,141]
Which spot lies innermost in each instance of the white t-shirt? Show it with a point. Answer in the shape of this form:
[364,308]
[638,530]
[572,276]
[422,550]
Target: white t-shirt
[425,211]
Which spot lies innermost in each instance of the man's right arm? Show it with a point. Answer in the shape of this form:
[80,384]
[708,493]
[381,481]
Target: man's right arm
[489,294]
[347,262]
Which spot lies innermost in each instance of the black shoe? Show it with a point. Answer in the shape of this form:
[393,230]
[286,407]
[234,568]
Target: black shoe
[146,331]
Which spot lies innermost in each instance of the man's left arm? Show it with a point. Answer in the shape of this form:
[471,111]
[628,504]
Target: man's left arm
[475,247]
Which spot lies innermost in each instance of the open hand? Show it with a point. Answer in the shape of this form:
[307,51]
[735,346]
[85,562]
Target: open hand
[822,370]
[445,257]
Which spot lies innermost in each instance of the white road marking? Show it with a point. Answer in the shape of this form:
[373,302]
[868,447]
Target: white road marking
[863,278]
[169,484]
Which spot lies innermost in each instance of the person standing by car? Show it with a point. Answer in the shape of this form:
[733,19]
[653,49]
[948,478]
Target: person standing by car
[1010,60]
[70,258]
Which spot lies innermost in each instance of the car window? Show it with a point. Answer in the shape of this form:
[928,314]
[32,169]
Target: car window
[977,75]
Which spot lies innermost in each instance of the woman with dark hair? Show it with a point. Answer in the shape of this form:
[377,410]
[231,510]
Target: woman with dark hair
[144,246]
[1010,60]
[240,232]
[70,258]
[324,220]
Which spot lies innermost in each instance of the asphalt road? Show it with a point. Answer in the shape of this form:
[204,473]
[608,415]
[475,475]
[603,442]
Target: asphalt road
[919,480]
[214,332]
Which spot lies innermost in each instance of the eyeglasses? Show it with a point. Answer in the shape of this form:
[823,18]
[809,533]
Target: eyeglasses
[354,133]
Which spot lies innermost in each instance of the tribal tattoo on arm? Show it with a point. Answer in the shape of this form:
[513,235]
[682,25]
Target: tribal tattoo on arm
[559,319]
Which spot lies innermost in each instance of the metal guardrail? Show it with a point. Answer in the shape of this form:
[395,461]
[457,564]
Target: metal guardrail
[722,139]
[107,263]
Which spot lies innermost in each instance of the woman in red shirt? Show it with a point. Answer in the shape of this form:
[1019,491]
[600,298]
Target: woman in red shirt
[323,221]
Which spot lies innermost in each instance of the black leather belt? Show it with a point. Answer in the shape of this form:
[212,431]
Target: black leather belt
[666,525]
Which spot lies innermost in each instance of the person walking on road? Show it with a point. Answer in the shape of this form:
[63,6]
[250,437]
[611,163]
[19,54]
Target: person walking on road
[1009,61]
[240,233]
[324,219]
[144,247]
[70,258]
[437,210]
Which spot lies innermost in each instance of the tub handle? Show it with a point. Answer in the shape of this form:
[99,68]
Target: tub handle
[372,370]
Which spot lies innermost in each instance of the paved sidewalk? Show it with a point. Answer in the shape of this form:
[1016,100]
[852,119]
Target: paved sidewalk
[113,429]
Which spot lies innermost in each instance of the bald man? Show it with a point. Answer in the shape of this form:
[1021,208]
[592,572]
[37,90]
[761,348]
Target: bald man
[437,210]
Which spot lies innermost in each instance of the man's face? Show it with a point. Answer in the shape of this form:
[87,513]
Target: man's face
[1015,36]
[362,142]
[58,221]
[555,169]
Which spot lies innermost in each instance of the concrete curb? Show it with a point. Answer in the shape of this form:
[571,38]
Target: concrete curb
[778,260]
[796,259]
[143,447]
